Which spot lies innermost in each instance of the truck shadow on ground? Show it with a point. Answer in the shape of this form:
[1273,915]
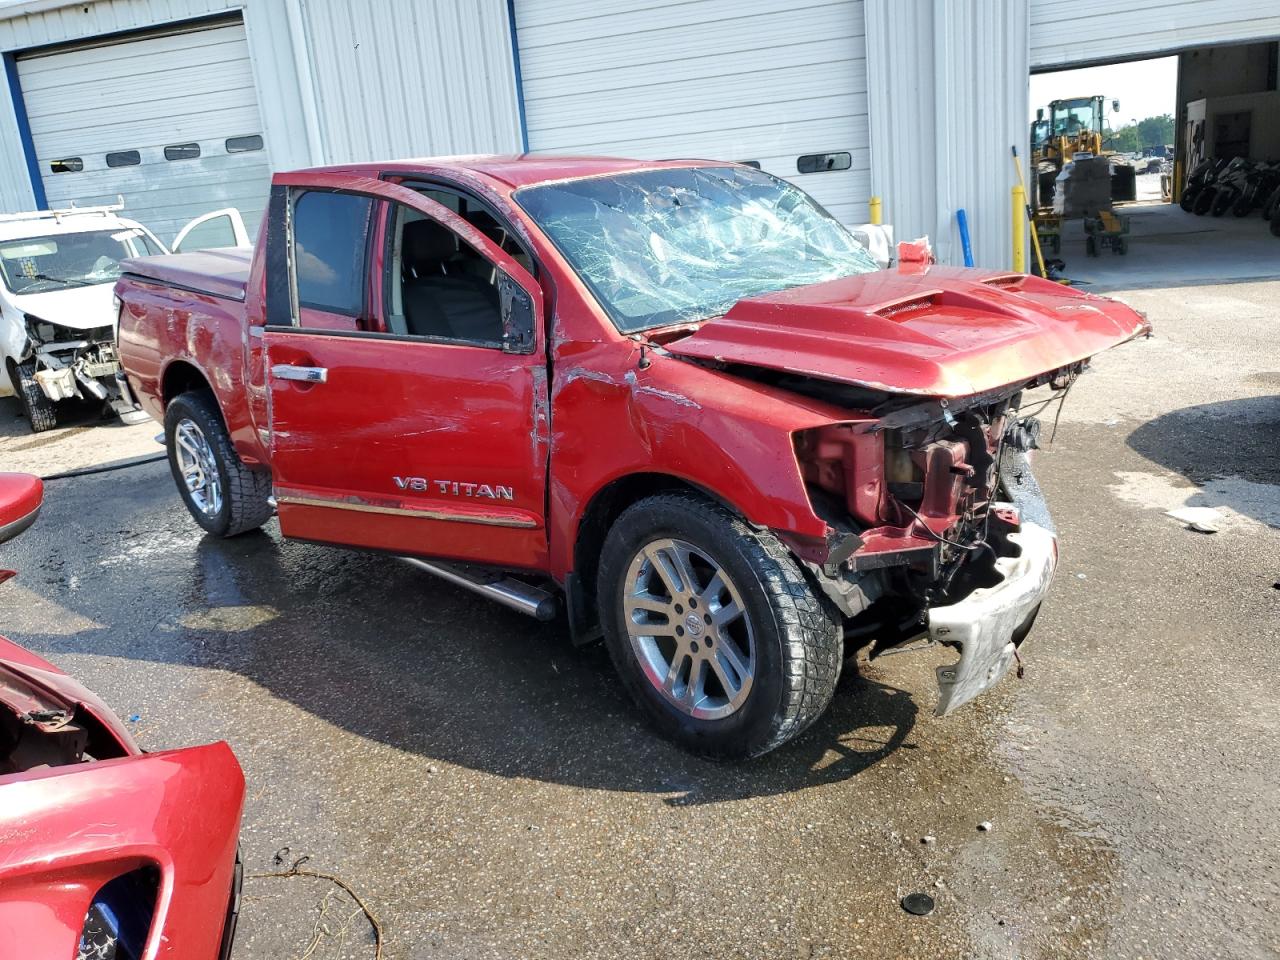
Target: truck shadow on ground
[1227,449]
[386,652]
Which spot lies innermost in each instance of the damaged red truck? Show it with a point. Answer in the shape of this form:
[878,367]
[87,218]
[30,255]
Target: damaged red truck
[679,395]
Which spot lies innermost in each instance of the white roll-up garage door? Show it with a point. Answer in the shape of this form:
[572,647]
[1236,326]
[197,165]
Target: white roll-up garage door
[1077,32]
[168,120]
[720,79]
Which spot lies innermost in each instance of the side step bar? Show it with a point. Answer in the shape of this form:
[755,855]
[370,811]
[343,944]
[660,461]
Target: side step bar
[515,594]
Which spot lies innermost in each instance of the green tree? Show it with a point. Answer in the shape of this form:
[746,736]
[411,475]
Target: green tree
[1155,131]
[1124,140]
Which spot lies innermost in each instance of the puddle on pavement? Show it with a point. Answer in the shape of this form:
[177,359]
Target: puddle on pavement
[1041,883]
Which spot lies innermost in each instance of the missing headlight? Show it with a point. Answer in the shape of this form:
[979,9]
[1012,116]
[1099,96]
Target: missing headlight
[119,918]
[41,331]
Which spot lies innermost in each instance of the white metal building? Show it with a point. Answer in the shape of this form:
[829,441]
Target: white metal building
[185,105]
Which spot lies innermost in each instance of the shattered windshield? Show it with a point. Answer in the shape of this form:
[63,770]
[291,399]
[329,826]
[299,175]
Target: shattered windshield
[66,260]
[666,246]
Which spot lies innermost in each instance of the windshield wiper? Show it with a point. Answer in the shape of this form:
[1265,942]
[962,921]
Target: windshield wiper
[76,281]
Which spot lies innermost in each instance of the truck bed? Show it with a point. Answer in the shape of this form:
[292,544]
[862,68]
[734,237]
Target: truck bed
[219,273]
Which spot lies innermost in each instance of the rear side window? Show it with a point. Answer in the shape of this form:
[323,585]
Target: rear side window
[329,233]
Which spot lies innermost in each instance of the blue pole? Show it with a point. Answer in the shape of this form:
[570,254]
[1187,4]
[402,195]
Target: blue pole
[963,222]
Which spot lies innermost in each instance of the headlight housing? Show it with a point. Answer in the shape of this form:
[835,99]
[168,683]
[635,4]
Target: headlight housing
[41,331]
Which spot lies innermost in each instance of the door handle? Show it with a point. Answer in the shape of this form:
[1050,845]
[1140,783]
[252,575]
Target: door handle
[287,371]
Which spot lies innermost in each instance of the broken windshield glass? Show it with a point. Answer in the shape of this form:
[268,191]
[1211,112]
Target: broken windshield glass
[681,244]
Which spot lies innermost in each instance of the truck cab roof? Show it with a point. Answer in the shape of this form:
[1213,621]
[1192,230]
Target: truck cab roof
[515,170]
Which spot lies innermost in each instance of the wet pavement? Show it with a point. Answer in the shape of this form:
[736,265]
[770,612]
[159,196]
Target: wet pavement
[490,792]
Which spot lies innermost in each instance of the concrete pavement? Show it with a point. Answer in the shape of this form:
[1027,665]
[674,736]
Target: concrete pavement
[491,793]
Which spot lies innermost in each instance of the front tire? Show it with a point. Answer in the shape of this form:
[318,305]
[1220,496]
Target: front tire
[38,407]
[224,496]
[713,627]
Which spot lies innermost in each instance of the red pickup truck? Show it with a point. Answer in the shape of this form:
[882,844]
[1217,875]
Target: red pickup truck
[678,395]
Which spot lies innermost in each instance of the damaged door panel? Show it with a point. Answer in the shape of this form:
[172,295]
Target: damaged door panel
[678,394]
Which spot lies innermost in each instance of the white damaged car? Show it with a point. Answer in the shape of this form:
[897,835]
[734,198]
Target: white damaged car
[58,317]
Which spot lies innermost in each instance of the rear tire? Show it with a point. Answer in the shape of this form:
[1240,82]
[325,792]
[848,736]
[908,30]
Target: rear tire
[1269,208]
[224,496]
[734,663]
[38,408]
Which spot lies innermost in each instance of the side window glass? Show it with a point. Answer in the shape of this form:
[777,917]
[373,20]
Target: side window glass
[438,285]
[329,233]
[474,212]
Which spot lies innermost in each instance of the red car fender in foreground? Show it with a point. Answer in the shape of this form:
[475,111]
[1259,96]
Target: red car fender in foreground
[66,831]
[105,851]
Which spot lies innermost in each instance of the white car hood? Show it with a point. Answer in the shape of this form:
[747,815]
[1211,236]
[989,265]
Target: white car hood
[80,308]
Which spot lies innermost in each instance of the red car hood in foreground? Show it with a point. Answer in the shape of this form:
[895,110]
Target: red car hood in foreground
[940,332]
[67,831]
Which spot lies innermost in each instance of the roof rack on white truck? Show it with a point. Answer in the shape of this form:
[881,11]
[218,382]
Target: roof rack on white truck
[71,211]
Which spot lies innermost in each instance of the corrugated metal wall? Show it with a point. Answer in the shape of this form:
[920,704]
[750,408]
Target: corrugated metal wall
[406,78]
[947,85]
[1078,32]
[900,91]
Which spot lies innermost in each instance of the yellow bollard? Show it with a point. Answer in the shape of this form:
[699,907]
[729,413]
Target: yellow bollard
[875,211]
[1019,230]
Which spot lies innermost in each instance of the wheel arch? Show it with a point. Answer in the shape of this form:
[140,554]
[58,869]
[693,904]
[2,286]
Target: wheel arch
[602,509]
[182,376]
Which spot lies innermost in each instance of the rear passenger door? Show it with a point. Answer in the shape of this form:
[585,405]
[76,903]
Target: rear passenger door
[406,377]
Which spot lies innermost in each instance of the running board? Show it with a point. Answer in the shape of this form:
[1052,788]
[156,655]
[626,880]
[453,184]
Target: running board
[513,594]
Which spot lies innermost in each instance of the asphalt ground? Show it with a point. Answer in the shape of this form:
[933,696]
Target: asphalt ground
[489,791]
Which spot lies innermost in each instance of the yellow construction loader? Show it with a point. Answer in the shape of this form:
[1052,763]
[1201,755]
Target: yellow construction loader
[1075,126]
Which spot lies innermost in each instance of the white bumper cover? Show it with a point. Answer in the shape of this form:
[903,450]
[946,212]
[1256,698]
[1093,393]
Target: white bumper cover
[988,625]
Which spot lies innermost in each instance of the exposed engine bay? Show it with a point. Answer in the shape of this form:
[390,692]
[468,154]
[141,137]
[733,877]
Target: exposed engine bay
[73,363]
[48,736]
[927,496]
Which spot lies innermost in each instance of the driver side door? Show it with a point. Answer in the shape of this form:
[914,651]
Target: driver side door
[408,402]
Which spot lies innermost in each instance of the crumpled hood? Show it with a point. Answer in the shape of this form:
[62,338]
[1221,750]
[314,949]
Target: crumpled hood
[940,331]
[80,308]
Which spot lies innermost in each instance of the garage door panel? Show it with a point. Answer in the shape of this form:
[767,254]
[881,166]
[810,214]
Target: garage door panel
[555,57]
[178,111]
[1068,32]
[95,126]
[155,173]
[717,79]
[124,94]
[159,132]
[132,70]
[190,43]
[744,91]
[698,21]
[826,54]
[143,93]
[751,124]
[753,145]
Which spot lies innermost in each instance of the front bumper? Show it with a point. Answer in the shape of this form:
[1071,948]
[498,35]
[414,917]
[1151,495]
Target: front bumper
[988,625]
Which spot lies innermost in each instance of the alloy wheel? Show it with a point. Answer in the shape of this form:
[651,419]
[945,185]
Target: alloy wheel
[198,467]
[689,629]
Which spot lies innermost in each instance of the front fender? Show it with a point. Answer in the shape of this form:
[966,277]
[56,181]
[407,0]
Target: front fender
[613,417]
